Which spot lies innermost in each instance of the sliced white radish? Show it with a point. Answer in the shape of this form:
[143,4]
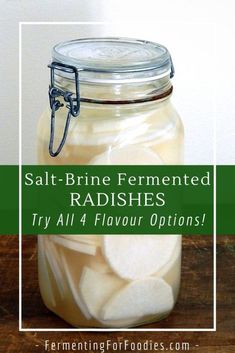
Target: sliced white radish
[74,289]
[171,272]
[47,292]
[119,323]
[98,263]
[97,288]
[86,239]
[72,245]
[54,262]
[172,276]
[105,135]
[134,257]
[149,296]
[130,155]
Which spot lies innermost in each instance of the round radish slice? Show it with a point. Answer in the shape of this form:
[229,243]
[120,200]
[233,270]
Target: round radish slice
[96,288]
[131,155]
[134,257]
[149,296]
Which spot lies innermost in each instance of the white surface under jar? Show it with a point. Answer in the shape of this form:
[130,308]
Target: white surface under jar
[125,117]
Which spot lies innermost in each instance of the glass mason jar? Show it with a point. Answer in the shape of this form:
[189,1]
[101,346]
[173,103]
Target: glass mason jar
[115,94]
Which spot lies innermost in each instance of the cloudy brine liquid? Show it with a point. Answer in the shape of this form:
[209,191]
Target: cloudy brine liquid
[155,130]
[112,281]
[83,281]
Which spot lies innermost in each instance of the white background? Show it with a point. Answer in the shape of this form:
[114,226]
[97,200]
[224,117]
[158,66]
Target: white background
[204,73]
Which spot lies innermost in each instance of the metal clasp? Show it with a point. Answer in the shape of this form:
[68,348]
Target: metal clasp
[73,103]
[172,73]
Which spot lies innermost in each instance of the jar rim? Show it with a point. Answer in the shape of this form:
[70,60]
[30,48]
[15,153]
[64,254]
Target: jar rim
[114,59]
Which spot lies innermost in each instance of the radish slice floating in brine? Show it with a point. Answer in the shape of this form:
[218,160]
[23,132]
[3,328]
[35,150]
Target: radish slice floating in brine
[54,262]
[94,240]
[149,296]
[134,257]
[48,292]
[128,155]
[96,288]
[74,289]
[73,245]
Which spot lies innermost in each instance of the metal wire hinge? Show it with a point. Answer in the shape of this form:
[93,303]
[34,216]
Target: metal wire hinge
[172,73]
[73,103]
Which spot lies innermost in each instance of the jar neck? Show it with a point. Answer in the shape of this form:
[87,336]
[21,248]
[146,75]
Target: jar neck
[119,93]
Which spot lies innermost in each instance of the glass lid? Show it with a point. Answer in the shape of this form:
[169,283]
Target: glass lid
[114,59]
